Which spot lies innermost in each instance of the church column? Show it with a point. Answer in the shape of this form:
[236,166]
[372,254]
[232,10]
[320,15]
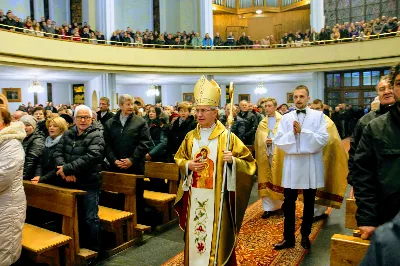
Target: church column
[109,88]
[89,13]
[318,86]
[317,16]
[206,18]
[38,6]
[105,17]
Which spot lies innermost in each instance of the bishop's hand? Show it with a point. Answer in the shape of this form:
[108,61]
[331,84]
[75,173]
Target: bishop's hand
[195,165]
[228,157]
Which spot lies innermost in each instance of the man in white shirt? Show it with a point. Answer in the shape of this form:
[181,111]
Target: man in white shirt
[302,135]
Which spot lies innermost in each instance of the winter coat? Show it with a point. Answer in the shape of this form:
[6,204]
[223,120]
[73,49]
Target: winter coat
[33,147]
[81,156]
[238,126]
[46,168]
[12,194]
[376,170]
[178,133]
[356,136]
[131,141]
[105,118]
[251,123]
[160,139]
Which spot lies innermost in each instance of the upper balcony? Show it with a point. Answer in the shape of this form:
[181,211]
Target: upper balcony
[27,50]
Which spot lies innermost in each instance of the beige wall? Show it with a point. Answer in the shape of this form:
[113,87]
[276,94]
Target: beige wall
[258,27]
[16,49]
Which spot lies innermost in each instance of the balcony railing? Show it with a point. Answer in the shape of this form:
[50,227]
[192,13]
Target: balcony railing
[40,34]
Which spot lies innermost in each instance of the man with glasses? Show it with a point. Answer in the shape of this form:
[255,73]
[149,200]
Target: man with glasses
[78,156]
[386,98]
[376,168]
[198,197]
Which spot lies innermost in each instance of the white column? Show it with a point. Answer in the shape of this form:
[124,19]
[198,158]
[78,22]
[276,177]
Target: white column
[317,16]
[38,6]
[68,11]
[206,18]
[318,86]
[109,88]
[105,17]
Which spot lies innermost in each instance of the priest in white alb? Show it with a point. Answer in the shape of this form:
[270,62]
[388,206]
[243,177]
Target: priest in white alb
[201,159]
[302,135]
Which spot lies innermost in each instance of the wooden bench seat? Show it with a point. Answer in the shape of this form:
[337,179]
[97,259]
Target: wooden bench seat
[58,200]
[158,197]
[162,202]
[114,220]
[109,215]
[43,245]
[347,250]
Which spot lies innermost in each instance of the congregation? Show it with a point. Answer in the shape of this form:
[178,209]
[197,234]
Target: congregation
[348,31]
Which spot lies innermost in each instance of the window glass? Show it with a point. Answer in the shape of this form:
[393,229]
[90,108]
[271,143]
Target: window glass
[347,79]
[367,78]
[336,80]
[355,79]
[329,80]
[376,75]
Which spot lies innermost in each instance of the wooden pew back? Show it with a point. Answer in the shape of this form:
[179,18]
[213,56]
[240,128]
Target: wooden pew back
[350,221]
[169,171]
[51,198]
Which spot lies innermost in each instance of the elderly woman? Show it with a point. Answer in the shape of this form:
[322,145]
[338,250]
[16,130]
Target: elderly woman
[12,195]
[45,171]
[180,127]
[33,145]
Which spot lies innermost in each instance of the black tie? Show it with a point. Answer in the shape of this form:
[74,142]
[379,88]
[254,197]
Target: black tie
[301,111]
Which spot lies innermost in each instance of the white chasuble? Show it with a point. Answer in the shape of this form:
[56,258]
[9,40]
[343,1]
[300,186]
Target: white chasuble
[303,166]
[201,185]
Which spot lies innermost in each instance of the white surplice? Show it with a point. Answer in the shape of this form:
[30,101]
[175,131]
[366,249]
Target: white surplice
[202,204]
[303,166]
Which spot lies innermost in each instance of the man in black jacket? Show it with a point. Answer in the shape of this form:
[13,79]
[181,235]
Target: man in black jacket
[104,114]
[376,167]
[250,121]
[78,156]
[238,126]
[128,140]
[385,94]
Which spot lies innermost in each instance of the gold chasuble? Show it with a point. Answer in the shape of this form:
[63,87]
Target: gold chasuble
[266,180]
[199,194]
[335,171]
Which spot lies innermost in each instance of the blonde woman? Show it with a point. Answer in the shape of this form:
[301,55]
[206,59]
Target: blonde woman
[45,172]
[38,31]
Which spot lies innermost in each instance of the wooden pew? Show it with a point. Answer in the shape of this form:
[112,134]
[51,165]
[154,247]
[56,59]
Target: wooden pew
[61,201]
[348,250]
[163,202]
[114,220]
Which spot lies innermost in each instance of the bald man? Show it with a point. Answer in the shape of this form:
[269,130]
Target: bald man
[16,116]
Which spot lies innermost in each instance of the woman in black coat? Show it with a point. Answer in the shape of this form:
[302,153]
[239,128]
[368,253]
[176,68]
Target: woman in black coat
[33,145]
[46,169]
[180,128]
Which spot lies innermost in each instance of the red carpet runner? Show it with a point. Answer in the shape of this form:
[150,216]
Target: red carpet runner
[257,236]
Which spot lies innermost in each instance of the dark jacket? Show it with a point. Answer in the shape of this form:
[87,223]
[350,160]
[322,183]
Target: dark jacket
[46,168]
[238,126]
[384,246]
[178,133]
[41,126]
[105,118]
[356,136]
[251,126]
[81,156]
[131,141]
[33,147]
[376,170]
[160,139]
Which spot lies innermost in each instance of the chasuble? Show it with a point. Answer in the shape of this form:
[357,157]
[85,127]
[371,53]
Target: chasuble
[198,197]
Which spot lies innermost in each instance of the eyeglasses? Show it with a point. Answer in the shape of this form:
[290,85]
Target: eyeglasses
[199,111]
[86,118]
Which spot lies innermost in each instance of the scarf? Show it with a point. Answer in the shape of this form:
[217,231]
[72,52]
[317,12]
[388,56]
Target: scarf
[50,142]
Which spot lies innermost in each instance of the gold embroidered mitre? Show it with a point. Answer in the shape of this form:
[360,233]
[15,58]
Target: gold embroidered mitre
[207,92]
